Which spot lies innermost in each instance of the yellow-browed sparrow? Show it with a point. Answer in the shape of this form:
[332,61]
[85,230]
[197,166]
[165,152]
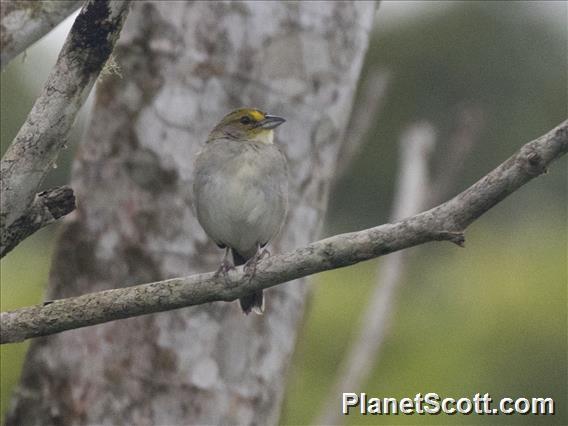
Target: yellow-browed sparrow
[241,190]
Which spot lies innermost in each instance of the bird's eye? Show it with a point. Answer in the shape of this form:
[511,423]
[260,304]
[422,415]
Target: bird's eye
[246,120]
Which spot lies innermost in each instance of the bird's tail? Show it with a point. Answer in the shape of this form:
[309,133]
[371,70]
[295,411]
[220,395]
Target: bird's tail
[251,302]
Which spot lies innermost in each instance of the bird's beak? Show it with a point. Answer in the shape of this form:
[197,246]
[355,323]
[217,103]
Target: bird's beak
[271,122]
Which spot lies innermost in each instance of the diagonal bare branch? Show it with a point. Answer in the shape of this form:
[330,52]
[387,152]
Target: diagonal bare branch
[364,114]
[23,22]
[445,222]
[412,188]
[469,120]
[35,149]
[416,190]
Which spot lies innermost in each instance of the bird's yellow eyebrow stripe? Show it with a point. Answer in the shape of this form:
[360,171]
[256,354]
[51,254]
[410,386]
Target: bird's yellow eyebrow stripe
[256,115]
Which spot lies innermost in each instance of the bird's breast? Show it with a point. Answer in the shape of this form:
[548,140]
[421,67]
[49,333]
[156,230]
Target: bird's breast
[242,204]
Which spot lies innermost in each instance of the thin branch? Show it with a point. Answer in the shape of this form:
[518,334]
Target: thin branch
[416,144]
[47,207]
[469,125]
[23,22]
[35,149]
[445,222]
[416,191]
[363,117]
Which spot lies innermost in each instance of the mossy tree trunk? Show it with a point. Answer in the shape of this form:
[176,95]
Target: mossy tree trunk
[183,66]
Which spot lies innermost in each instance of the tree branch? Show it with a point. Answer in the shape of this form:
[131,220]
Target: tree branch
[23,22]
[35,149]
[445,222]
[412,188]
[47,207]
[416,190]
[364,114]
[469,125]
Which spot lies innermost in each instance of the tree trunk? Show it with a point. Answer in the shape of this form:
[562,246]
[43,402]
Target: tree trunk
[184,65]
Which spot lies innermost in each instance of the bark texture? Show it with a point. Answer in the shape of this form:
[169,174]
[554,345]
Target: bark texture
[35,149]
[23,22]
[185,64]
[445,222]
[47,207]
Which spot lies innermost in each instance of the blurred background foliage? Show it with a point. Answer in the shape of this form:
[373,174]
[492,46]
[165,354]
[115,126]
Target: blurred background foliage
[490,318]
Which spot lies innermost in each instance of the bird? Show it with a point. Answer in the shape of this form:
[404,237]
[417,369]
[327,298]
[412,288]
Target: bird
[240,189]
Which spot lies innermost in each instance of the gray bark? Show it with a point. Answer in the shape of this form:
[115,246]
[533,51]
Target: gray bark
[23,22]
[184,65]
[47,207]
[442,223]
[36,147]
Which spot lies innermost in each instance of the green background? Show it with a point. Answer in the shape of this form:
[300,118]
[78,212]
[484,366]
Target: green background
[488,318]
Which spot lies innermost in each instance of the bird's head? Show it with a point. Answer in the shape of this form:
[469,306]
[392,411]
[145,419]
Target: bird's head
[247,125]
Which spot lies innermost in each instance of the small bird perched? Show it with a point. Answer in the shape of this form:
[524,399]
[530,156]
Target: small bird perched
[241,190]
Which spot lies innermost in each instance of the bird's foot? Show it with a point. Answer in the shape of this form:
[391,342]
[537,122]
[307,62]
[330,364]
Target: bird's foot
[224,269]
[250,267]
[251,264]
[264,253]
